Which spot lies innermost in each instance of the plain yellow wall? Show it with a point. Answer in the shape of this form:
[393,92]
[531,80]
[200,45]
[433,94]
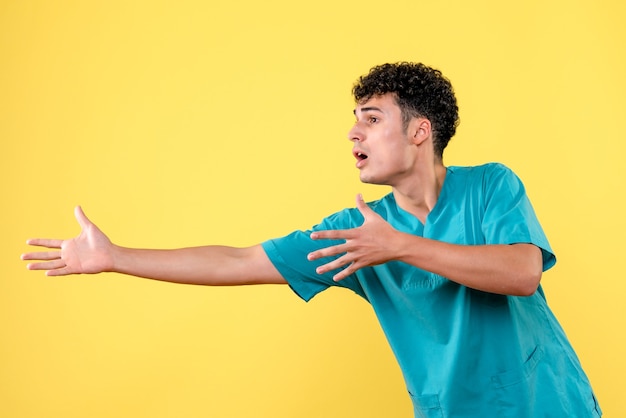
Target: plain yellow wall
[186,123]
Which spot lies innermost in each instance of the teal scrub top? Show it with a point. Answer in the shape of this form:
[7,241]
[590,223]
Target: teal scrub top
[463,352]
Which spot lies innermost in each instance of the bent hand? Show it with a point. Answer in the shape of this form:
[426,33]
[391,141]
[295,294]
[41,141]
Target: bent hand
[88,253]
[373,243]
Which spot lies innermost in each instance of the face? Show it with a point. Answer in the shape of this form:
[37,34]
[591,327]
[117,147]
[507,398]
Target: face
[384,151]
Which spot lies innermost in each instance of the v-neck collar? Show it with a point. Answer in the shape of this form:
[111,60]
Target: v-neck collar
[412,220]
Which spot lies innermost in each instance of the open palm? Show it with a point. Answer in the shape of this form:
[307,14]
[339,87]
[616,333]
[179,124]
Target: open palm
[88,253]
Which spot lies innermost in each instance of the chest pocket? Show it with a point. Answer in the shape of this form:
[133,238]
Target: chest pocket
[422,280]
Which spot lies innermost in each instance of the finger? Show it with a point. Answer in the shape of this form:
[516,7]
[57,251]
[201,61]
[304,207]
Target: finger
[43,255]
[327,252]
[334,265]
[348,271]
[44,242]
[59,272]
[345,273]
[46,265]
[333,234]
[82,219]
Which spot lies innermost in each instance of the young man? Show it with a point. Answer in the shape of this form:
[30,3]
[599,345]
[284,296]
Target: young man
[450,260]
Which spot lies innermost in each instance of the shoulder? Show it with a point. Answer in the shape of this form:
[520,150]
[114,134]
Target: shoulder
[383,203]
[343,219]
[385,206]
[484,176]
[352,217]
[487,169]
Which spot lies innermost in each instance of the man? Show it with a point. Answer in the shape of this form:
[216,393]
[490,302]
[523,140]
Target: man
[451,261]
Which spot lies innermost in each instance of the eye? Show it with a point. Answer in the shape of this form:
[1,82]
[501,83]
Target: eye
[373,119]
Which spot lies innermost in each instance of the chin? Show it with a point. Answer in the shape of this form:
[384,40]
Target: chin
[370,180]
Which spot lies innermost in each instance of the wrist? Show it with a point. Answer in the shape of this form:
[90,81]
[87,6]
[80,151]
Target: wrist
[115,263]
[406,247]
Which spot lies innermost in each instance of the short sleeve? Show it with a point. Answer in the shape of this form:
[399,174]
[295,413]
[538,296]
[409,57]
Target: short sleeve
[289,255]
[509,217]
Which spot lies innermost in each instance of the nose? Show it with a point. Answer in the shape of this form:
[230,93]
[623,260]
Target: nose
[355,134]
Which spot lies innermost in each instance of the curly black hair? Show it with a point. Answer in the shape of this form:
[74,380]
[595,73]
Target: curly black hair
[420,91]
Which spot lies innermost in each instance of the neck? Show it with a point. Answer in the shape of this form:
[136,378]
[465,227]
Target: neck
[419,194]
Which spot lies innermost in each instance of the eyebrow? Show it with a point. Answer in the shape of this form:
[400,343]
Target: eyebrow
[368,109]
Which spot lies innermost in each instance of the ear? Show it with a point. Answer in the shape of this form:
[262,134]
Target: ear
[420,130]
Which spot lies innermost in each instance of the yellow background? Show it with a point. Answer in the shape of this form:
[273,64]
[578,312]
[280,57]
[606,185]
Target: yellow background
[190,122]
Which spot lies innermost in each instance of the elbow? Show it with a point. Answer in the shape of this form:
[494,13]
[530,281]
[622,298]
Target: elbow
[529,271]
[528,282]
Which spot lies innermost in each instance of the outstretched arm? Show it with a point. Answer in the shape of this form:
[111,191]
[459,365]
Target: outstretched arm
[506,269]
[92,252]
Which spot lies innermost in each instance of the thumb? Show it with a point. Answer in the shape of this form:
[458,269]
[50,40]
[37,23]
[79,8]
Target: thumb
[365,210]
[82,219]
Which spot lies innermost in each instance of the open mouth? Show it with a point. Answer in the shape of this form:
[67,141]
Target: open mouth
[360,156]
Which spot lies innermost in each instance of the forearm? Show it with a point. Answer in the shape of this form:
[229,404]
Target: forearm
[506,269]
[208,265]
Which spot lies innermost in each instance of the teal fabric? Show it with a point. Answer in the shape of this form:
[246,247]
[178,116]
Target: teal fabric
[463,352]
